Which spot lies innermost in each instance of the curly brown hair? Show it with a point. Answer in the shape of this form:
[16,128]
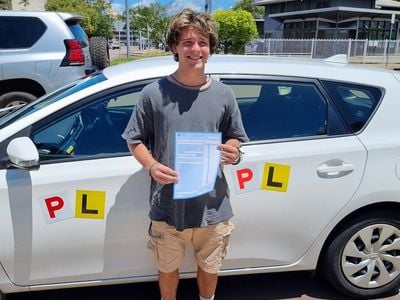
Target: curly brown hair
[202,22]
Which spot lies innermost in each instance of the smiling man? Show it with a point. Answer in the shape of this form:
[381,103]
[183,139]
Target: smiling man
[187,101]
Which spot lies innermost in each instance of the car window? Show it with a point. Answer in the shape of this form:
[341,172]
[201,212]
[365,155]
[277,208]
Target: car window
[93,129]
[20,32]
[355,102]
[280,109]
[79,33]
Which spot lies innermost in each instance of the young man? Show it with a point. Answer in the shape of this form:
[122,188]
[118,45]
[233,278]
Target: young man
[187,100]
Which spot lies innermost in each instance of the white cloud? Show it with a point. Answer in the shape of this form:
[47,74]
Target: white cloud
[144,3]
[175,6]
[118,7]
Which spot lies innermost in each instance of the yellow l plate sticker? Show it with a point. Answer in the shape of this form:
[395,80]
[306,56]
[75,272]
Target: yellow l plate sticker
[275,177]
[90,204]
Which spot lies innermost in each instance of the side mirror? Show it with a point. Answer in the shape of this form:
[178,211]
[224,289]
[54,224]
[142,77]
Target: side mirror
[22,154]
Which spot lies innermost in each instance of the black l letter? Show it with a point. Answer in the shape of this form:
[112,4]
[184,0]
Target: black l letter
[84,207]
[270,181]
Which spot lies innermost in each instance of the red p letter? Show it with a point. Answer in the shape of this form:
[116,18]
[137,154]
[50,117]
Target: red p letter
[244,175]
[53,204]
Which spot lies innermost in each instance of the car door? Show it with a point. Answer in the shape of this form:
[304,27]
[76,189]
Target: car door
[300,168]
[83,214]
[1,68]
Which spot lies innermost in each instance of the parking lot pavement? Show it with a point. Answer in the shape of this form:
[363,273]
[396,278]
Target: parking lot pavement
[135,52]
[288,286]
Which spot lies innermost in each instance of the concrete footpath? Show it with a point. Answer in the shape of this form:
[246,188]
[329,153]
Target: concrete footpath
[139,53]
[395,67]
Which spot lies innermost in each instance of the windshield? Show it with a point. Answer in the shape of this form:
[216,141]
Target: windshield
[50,98]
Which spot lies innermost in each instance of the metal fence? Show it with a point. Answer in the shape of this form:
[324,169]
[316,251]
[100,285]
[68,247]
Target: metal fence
[357,51]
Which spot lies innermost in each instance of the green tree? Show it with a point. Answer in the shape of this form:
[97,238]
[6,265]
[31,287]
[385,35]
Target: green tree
[151,19]
[256,11]
[96,18]
[235,29]
[103,19]
[5,4]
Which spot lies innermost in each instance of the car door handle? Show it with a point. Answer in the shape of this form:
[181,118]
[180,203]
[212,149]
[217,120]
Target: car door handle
[334,169]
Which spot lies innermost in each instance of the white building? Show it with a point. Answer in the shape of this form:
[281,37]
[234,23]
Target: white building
[331,19]
[34,5]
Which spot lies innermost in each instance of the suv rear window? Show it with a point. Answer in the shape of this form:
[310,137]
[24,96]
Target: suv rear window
[355,102]
[20,32]
[78,33]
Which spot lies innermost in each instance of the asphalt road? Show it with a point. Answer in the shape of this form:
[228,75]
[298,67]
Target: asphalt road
[294,285]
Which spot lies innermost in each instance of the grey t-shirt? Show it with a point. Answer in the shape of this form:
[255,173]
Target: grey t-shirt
[164,108]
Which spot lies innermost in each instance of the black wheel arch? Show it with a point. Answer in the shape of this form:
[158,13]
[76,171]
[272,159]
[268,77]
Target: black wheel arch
[370,210]
[21,85]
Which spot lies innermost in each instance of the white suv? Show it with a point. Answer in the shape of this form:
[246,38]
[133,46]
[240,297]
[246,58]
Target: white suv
[39,52]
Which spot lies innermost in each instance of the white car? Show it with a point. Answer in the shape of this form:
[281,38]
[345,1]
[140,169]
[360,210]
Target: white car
[114,45]
[318,188]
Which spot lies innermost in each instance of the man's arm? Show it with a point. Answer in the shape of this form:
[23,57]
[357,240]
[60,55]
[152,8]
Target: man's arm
[159,172]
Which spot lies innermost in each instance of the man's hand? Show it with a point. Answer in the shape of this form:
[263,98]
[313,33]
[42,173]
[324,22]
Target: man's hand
[229,154]
[163,174]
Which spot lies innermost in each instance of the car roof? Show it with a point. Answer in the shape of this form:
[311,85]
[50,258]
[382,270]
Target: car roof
[64,15]
[70,17]
[253,65]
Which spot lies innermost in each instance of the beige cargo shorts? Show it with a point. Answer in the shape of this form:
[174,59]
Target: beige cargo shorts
[210,245]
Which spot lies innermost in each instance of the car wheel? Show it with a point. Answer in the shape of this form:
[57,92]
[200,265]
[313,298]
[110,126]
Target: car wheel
[15,98]
[98,48]
[363,261]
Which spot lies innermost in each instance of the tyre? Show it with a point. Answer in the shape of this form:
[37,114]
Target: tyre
[15,98]
[363,261]
[98,48]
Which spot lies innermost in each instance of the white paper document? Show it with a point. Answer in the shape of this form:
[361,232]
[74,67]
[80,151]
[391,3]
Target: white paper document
[197,161]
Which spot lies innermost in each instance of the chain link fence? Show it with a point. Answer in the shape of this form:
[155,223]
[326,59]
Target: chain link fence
[357,51]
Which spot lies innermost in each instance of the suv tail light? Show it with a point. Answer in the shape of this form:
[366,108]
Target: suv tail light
[75,55]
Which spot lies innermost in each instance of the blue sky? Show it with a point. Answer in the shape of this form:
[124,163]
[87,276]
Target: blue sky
[175,5]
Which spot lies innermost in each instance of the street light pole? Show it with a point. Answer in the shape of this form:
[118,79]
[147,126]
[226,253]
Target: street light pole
[207,6]
[392,21]
[128,30]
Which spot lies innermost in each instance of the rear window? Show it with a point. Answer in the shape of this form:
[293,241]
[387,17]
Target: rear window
[277,109]
[20,32]
[78,33]
[356,102]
